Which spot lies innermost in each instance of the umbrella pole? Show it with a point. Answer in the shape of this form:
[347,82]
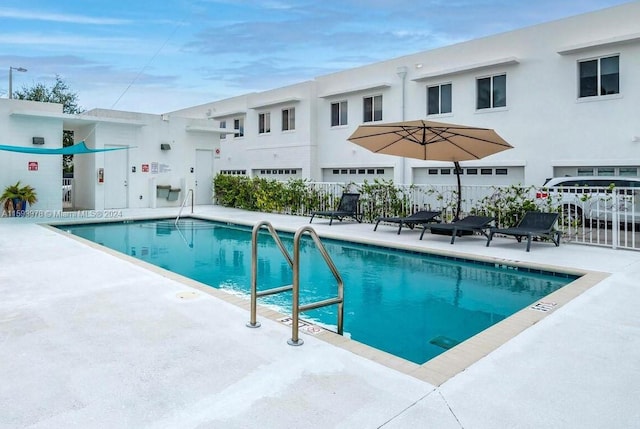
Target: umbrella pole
[456,167]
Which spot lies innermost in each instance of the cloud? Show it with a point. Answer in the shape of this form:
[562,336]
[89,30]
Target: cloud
[57,17]
[221,48]
[52,42]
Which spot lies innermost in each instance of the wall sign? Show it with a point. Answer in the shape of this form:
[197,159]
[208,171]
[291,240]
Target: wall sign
[33,165]
[145,168]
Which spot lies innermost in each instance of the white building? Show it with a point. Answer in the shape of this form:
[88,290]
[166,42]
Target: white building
[161,151]
[565,94]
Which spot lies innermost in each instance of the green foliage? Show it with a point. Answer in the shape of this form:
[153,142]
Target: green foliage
[59,93]
[378,198]
[383,198]
[447,202]
[296,196]
[14,197]
[301,197]
[509,204]
[233,191]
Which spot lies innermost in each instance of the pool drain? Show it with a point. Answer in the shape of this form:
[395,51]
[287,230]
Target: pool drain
[188,295]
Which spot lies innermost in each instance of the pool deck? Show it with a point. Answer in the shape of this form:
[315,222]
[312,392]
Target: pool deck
[89,339]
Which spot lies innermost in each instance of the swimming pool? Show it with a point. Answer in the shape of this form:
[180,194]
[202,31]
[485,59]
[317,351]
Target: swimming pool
[409,304]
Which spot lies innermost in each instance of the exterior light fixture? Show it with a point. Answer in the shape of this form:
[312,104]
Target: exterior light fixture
[11,69]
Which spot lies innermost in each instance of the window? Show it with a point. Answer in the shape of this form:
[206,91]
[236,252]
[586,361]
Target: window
[238,125]
[606,171]
[339,113]
[366,170]
[372,108]
[585,171]
[264,123]
[223,124]
[628,171]
[289,119]
[486,171]
[599,77]
[501,172]
[491,92]
[439,99]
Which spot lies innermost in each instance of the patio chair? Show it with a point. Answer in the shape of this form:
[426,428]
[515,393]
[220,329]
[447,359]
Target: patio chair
[348,207]
[460,227]
[533,224]
[421,217]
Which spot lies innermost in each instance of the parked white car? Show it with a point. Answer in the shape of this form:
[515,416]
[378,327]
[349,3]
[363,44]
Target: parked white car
[598,198]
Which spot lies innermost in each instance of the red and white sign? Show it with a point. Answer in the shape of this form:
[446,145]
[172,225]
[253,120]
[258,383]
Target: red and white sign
[33,165]
[145,168]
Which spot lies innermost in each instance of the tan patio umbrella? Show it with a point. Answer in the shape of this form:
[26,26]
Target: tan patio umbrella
[434,141]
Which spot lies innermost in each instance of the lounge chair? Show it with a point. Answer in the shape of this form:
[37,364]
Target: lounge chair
[348,207]
[533,224]
[419,218]
[458,228]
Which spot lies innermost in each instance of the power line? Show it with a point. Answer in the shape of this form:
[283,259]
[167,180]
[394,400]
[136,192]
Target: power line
[179,24]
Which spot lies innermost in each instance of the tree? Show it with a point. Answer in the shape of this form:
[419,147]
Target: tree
[59,93]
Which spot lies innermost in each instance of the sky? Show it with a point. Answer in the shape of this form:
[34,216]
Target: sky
[163,55]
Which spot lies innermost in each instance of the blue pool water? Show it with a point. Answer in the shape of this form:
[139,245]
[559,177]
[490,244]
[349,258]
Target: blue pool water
[409,304]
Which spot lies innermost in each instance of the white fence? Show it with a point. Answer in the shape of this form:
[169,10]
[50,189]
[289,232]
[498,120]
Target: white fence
[588,215]
[67,193]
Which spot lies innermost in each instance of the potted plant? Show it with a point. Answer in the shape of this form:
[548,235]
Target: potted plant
[15,198]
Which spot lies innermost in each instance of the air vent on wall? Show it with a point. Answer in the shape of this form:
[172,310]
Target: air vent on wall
[38,140]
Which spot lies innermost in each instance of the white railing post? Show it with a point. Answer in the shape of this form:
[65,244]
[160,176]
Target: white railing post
[615,221]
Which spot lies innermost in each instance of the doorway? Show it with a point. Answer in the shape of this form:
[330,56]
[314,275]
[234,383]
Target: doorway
[115,178]
[204,176]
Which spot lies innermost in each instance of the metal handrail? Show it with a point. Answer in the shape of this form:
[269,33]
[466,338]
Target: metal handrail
[294,263]
[253,323]
[189,192]
[296,308]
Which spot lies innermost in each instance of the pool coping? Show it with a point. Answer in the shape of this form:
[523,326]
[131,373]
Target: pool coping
[436,371]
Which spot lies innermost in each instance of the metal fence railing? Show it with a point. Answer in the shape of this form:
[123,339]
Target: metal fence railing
[588,215]
[67,193]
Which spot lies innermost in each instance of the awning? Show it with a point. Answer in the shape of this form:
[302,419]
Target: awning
[76,149]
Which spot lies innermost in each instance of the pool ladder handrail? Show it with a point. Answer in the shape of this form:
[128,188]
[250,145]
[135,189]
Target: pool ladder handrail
[296,308]
[253,323]
[189,192]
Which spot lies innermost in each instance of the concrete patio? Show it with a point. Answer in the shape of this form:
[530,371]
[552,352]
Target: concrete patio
[92,339]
